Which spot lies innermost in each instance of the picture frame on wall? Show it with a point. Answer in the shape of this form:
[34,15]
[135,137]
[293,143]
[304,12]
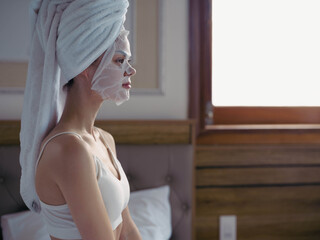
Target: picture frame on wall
[143,20]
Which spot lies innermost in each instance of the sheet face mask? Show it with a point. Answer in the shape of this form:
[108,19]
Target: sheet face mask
[110,80]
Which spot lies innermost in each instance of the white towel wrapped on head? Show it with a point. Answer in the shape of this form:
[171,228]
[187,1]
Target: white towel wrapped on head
[67,36]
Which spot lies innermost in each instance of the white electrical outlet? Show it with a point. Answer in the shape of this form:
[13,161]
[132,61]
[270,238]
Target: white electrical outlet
[228,227]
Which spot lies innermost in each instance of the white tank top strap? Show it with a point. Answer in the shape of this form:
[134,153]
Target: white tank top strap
[52,137]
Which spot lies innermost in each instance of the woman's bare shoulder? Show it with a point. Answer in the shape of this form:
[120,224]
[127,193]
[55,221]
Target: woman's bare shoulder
[64,159]
[65,151]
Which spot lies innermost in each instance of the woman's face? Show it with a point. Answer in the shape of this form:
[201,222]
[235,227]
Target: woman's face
[112,77]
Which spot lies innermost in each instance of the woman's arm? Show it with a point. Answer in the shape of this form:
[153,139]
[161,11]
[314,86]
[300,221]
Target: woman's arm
[76,178]
[129,229]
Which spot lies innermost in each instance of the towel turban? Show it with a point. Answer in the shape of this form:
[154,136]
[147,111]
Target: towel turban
[67,36]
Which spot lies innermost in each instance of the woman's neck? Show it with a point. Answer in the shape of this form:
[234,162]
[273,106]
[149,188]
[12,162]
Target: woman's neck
[80,110]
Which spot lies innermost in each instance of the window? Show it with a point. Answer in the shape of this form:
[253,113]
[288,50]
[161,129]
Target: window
[265,61]
[262,117]
[265,53]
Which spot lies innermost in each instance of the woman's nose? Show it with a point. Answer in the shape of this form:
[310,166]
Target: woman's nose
[130,71]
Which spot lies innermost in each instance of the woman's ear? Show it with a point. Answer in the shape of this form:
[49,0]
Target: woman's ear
[84,75]
[89,71]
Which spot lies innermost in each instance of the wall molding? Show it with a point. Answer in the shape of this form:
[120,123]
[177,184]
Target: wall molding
[124,131]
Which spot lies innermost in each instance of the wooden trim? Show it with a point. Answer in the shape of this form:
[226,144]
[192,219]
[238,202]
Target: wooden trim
[300,200]
[193,134]
[260,134]
[194,60]
[124,131]
[194,87]
[258,176]
[257,165]
[241,156]
[266,115]
[199,60]
[9,132]
[149,132]
[206,60]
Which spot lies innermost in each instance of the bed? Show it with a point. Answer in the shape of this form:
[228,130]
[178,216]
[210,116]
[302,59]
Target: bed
[148,167]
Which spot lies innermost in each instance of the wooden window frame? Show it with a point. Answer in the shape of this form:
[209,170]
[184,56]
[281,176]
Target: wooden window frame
[237,125]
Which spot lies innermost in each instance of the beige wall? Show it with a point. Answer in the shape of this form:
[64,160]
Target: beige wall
[171,104]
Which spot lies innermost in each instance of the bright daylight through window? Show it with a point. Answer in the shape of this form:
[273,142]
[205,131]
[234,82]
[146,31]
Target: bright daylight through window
[266,53]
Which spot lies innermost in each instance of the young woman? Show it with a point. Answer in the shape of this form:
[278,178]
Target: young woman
[81,189]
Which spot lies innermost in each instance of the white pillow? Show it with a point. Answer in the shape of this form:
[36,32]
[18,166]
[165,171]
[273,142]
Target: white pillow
[23,225]
[150,210]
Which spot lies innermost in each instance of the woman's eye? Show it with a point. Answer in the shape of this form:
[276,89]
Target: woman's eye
[121,61]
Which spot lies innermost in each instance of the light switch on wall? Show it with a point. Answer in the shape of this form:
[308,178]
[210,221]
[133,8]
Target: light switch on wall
[228,227]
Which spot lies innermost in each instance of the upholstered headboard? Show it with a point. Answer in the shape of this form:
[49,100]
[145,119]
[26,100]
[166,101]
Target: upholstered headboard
[153,166]
[146,166]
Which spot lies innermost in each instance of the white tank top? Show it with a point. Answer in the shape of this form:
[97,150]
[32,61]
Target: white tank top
[115,194]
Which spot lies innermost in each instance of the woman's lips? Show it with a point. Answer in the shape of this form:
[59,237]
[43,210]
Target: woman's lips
[126,85]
